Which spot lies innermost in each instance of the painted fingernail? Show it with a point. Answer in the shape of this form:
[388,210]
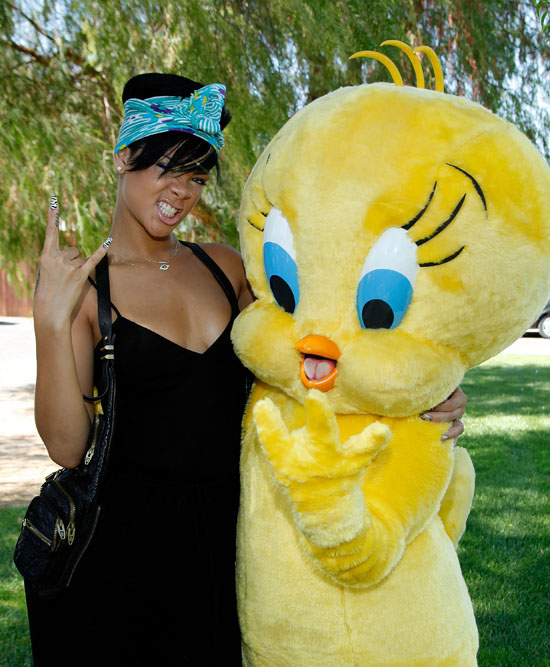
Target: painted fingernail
[53,203]
[426,417]
[444,437]
[107,242]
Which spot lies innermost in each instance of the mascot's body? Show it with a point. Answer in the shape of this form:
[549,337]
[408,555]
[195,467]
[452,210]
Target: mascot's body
[394,238]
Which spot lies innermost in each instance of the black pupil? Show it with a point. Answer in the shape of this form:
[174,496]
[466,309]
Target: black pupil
[282,293]
[377,314]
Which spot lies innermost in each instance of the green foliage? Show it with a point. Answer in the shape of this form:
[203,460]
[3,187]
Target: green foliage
[543,13]
[63,64]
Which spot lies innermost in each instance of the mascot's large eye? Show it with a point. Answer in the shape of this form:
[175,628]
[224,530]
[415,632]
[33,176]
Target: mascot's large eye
[387,280]
[280,261]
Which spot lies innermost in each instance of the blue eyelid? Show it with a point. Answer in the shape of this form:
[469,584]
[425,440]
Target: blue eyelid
[387,280]
[383,297]
[280,261]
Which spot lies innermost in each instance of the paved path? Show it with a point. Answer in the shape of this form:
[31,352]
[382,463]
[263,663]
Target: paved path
[23,459]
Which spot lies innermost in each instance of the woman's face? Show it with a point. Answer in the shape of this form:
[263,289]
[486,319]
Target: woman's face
[156,201]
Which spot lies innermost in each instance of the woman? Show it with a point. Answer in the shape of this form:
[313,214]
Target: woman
[165,543]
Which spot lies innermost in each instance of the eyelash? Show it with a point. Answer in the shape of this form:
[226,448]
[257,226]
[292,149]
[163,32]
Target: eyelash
[260,211]
[253,224]
[198,179]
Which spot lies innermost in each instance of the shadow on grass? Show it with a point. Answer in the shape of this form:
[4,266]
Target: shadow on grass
[504,390]
[508,579]
[505,552]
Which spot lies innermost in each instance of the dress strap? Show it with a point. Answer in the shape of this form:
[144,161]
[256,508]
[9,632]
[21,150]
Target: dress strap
[217,272]
[92,281]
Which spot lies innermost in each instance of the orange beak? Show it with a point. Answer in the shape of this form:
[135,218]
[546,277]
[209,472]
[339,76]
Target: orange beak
[318,366]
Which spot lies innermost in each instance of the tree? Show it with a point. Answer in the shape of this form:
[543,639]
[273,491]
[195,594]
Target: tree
[543,14]
[63,64]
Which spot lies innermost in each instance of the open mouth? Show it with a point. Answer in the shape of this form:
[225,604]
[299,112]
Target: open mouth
[167,212]
[318,372]
[318,368]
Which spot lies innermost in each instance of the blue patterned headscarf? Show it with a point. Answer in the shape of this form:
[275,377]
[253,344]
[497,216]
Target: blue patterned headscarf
[198,114]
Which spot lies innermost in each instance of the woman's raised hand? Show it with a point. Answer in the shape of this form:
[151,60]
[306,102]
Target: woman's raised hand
[62,274]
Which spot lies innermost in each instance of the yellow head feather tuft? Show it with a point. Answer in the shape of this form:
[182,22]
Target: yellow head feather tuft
[392,69]
[436,65]
[411,55]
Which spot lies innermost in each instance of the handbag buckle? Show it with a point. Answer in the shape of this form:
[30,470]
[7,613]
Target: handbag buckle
[89,456]
[109,349]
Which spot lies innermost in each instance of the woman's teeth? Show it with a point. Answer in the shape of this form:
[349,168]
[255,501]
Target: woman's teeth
[167,210]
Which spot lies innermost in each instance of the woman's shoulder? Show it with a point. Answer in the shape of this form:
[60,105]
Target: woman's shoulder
[221,250]
[227,258]
[231,263]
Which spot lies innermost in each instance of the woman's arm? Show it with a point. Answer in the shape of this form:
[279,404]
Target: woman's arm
[64,347]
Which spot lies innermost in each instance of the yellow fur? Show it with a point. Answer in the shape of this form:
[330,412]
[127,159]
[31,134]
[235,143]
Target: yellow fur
[351,505]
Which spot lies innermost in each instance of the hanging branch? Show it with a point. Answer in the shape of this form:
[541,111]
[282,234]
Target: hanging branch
[542,7]
[30,20]
[43,60]
[69,52]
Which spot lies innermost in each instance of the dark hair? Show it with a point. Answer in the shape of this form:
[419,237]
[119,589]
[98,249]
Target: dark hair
[189,151]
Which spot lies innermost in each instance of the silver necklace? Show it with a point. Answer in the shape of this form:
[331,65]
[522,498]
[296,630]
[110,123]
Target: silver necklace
[164,265]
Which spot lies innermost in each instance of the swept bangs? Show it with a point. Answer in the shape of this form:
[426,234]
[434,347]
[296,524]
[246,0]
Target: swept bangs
[188,153]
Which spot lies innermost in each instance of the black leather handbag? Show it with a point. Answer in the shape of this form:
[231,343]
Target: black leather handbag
[60,522]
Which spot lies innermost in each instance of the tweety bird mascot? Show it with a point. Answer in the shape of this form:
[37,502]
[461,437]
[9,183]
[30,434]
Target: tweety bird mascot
[394,237]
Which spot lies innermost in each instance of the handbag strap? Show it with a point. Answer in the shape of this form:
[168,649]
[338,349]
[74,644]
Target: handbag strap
[218,274]
[104,300]
[105,322]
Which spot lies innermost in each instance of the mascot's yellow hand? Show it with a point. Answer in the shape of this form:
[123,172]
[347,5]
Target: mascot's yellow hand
[315,450]
[321,475]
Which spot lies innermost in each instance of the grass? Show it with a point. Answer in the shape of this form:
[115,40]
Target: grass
[14,631]
[505,552]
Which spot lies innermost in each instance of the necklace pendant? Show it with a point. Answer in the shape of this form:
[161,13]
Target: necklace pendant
[164,267]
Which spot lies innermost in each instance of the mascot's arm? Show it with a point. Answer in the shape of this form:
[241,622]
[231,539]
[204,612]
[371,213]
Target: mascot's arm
[457,501]
[359,502]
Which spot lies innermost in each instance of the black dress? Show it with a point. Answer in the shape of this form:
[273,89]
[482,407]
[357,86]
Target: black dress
[157,583]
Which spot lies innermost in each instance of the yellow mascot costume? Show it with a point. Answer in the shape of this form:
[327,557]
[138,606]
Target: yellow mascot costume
[394,237]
